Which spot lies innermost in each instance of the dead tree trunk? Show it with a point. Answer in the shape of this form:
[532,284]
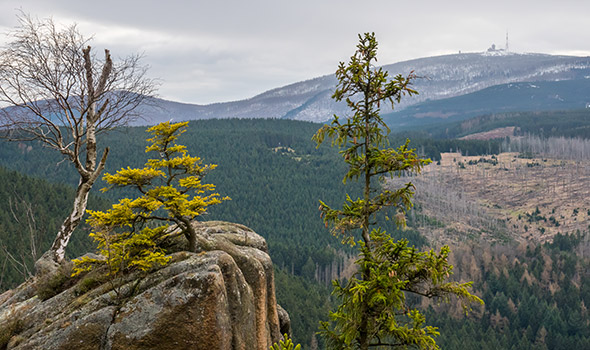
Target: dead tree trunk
[64,96]
[89,172]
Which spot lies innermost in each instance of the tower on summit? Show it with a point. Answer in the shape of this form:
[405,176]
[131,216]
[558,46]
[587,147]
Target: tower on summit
[506,49]
[498,49]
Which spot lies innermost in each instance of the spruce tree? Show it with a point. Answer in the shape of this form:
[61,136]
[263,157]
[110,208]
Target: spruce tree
[374,311]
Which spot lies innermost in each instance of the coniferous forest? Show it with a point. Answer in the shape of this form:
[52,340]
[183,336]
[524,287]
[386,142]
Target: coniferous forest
[536,294]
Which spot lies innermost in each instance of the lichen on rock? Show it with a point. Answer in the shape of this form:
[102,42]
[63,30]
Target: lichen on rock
[220,297]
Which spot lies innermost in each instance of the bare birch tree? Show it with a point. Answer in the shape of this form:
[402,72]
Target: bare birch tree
[54,88]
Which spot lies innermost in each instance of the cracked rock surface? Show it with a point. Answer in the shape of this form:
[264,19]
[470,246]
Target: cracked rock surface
[222,297]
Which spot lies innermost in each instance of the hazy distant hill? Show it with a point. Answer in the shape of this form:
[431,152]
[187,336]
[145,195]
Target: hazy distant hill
[539,96]
[443,77]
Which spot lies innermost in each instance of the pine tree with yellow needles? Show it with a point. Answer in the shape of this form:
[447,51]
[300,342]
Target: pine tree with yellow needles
[171,191]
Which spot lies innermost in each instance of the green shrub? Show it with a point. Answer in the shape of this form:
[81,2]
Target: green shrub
[51,285]
[8,330]
[89,282]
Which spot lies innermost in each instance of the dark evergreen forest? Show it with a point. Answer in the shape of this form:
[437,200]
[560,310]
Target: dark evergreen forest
[275,175]
[542,123]
[31,211]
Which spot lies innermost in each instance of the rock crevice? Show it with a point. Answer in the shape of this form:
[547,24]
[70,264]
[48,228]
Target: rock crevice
[221,297]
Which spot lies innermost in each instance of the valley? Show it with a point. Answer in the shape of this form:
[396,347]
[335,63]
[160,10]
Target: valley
[481,202]
[507,190]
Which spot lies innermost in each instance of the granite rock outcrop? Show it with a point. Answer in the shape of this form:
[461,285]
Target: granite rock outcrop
[219,297]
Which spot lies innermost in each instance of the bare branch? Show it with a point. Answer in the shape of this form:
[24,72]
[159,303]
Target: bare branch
[54,89]
[19,266]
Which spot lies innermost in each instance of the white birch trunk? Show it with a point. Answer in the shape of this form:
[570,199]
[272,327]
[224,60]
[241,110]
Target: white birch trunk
[58,248]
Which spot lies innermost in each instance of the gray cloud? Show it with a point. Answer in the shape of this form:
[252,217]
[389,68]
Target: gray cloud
[217,51]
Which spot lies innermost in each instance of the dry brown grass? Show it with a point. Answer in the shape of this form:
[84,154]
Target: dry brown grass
[498,133]
[475,198]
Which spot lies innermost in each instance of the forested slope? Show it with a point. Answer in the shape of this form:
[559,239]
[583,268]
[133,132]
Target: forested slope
[536,297]
[31,211]
[275,176]
[270,168]
[562,95]
[575,123]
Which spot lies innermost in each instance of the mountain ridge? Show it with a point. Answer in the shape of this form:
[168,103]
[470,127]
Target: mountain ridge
[537,96]
[443,77]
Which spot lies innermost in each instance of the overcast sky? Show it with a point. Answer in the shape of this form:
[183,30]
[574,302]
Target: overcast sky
[217,51]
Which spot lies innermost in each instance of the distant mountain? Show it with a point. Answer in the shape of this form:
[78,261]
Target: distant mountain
[512,97]
[442,77]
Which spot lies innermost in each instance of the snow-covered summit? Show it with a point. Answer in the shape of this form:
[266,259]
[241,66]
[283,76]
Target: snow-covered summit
[442,77]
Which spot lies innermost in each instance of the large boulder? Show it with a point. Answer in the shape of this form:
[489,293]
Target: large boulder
[221,297]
